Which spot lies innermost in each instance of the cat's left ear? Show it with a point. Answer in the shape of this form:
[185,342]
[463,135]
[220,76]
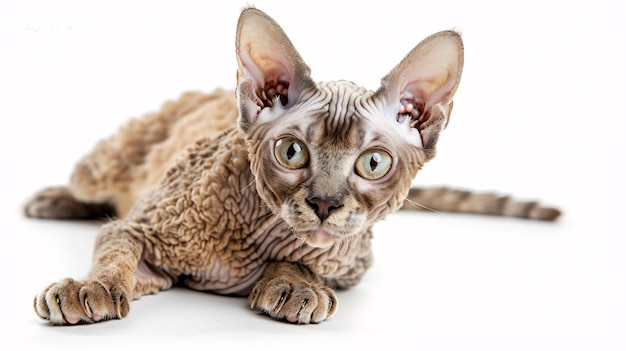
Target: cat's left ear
[418,92]
[271,74]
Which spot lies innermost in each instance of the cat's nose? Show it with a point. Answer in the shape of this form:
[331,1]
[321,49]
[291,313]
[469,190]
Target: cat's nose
[323,206]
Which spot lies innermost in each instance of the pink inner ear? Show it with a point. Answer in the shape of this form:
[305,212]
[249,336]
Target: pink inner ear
[273,91]
[270,77]
[414,106]
[418,91]
[410,105]
[418,98]
[266,57]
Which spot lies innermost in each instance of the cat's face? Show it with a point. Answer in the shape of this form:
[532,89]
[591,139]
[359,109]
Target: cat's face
[329,167]
[331,159]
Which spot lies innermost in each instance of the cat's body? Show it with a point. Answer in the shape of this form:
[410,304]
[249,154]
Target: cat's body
[280,206]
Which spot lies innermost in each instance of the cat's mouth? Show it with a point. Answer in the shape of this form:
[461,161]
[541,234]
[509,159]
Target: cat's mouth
[324,237]
[323,234]
[319,237]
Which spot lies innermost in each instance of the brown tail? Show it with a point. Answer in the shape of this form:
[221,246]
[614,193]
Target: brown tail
[460,201]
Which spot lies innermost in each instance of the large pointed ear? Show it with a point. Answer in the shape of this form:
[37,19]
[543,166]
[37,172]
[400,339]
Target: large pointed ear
[271,74]
[418,92]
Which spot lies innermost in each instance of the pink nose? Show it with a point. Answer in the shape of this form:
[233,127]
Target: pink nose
[323,207]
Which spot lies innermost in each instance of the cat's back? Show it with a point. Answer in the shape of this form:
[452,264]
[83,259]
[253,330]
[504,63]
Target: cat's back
[142,150]
[194,116]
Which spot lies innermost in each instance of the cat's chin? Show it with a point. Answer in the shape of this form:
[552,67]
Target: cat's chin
[320,238]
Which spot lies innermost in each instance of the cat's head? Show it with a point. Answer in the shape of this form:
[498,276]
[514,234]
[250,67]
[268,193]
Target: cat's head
[333,158]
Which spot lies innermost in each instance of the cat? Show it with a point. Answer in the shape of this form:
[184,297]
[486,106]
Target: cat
[270,191]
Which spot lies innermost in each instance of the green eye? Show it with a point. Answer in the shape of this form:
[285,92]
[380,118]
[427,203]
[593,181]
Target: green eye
[291,153]
[373,164]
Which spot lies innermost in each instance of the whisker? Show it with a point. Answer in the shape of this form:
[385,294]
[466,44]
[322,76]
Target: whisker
[344,244]
[249,185]
[419,206]
[294,232]
[301,240]
[360,237]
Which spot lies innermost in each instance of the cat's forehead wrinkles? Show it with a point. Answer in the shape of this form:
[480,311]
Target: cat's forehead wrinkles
[354,118]
[341,123]
[323,133]
[336,114]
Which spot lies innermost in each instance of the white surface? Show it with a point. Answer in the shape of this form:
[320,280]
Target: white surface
[538,114]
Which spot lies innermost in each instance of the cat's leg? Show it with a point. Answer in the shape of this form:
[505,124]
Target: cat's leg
[117,276]
[289,291]
[59,203]
[104,177]
[100,180]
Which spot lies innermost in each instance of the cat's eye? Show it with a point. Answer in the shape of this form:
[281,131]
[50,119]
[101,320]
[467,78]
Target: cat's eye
[291,153]
[373,164]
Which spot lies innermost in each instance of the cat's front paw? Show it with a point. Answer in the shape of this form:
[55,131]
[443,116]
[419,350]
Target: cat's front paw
[295,302]
[73,302]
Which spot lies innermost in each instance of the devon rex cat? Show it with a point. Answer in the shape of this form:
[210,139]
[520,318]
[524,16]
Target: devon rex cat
[270,191]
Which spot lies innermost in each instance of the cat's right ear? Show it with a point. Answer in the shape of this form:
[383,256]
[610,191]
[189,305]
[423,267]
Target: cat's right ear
[271,74]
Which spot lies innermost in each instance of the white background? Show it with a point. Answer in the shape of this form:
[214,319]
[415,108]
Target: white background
[539,114]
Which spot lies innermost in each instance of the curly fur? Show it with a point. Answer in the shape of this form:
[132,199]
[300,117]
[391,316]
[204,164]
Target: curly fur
[202,199]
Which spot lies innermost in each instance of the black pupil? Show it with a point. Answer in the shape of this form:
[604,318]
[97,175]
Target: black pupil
[292,150]
[373,164]
[374,160]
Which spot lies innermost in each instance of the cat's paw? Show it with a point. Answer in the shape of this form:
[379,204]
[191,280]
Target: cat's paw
[73,302]
[298,302]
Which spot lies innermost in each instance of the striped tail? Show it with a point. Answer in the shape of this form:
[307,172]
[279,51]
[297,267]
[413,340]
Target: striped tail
[451,200]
